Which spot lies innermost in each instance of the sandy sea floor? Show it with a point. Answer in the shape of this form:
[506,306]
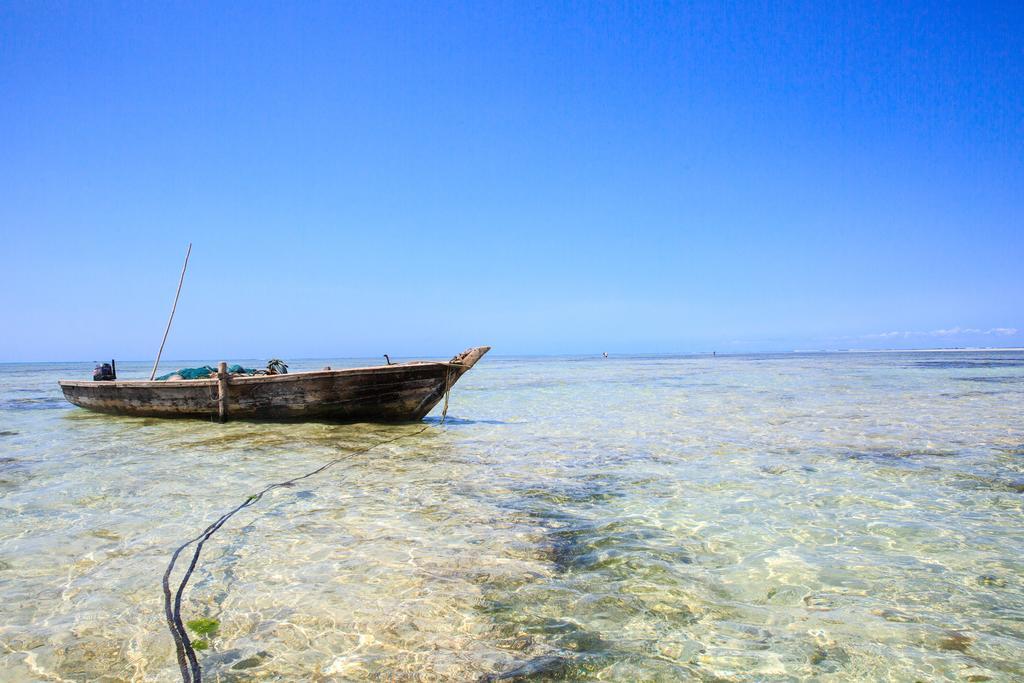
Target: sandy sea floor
[747,518]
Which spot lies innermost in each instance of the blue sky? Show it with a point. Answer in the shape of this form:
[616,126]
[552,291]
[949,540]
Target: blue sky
[545,178]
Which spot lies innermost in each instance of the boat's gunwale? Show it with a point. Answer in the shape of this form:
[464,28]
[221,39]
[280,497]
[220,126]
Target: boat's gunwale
[256,379]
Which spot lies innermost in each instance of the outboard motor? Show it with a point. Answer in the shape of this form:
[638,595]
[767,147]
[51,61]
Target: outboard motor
[105,373]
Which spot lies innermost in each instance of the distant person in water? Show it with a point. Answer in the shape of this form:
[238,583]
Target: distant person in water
[605,354]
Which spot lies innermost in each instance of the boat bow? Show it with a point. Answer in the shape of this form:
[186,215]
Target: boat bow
[469,357]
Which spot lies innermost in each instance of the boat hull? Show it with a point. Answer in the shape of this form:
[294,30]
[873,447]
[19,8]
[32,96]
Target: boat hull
[387,393]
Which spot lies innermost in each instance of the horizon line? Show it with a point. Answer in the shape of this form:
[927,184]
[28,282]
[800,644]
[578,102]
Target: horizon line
[937,349]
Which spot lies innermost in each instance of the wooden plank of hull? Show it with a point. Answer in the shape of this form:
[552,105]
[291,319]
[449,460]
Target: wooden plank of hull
[405,391]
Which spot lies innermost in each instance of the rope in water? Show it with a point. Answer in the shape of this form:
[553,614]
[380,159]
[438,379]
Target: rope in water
[188,663]
[447,390]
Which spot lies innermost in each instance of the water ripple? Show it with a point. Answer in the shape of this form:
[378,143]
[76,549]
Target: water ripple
[775,518]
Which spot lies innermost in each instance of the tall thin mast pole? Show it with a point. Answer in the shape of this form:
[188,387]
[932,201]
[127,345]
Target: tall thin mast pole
[173,308]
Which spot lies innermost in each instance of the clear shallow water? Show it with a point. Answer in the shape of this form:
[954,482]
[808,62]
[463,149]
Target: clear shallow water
[736,518]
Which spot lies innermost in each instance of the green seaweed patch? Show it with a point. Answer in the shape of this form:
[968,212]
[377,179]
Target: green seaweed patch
[203,626]
[200,645]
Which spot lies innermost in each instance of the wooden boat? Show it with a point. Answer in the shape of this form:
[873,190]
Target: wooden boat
[385,393]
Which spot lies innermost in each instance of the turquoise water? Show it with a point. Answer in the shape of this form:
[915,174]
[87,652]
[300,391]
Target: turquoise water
[828,517]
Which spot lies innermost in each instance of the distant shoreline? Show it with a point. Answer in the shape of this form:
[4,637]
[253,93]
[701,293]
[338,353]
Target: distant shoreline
[958,349]
[963,349]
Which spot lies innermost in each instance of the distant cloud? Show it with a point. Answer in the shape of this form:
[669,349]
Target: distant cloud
[948,332]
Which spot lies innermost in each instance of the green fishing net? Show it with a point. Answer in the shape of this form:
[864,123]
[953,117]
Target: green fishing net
[205,372]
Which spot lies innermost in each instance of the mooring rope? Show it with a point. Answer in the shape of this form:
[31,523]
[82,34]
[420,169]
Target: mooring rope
[447,391]
[191,672]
